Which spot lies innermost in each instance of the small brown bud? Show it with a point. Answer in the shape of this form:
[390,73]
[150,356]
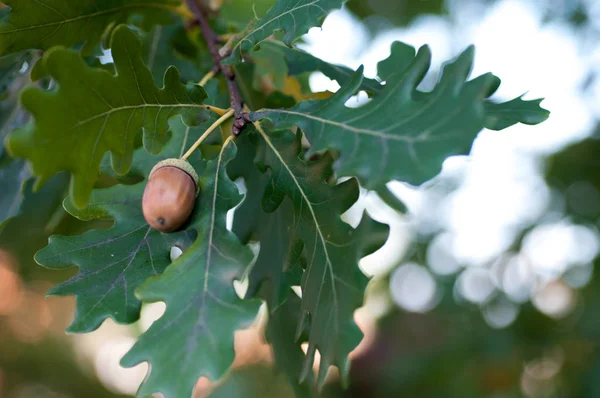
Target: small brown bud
[170,194]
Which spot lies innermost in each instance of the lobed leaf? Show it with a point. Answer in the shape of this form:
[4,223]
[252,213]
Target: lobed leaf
[402,134]
[293,17]
[299,62]
[93,112]
[280,332]
[332,284]
[498,116]
[114,262]
[194,337]
[278,262]
[278,265]
[42,24]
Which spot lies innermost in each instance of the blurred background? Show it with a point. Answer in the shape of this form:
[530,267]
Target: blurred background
[487,286]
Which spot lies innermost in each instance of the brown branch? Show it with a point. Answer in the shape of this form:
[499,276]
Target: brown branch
[212,40]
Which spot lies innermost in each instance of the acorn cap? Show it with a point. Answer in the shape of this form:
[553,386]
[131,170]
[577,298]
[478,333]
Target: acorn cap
[180,164]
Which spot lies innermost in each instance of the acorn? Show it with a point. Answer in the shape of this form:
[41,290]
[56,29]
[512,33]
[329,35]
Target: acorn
[170,194]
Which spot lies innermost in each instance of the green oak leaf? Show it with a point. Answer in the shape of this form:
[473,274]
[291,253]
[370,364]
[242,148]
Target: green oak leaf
[235,13]
[114,262]
[332,284]
[278,261]
[402,134]
[299,62]
[293,17]
[39,214]
[194,337]
[499,116]
[93,112]
[278,265]
[42,24]
[280,333]
[401,57]
[170,45]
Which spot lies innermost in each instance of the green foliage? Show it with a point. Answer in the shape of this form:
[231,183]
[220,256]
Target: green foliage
[402,134]
[332,283]
[37,217]
[299,62]
[12,177]
[114,262]
[292,17]
[281,334]
[575,170]
[275,268]
[69,137]
[499,116]
[13,172]
[171,45]
[204,310]
[46,23]
[394,136]
[108,125]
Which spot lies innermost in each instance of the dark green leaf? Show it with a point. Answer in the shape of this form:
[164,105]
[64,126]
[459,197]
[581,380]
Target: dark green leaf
[277,267]
[38,216]
[41,24]
[93,112]
[170,45]
[395,137]
[499,116]
[332,284]
[293,17]
[280,333]
[114,262]
[195,335]
[299,62]
[237,13]
[272,274]
[400,59]
[401,134]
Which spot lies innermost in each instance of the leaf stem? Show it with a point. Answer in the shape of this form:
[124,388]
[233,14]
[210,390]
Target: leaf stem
[212,40]
[206,78]
[208,131]
[216,109]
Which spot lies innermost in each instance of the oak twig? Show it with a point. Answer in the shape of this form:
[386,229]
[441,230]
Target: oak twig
[208,131]
[212,40]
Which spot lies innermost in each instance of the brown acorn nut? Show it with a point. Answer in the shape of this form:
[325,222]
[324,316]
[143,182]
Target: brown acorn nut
[170,194]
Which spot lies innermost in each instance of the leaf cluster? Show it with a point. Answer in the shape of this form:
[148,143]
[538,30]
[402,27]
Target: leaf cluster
[107,124]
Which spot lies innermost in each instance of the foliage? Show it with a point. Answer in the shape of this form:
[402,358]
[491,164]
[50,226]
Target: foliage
[107,125]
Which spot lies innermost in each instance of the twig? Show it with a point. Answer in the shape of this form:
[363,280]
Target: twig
[208,131]
[240,120]
[206,78]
